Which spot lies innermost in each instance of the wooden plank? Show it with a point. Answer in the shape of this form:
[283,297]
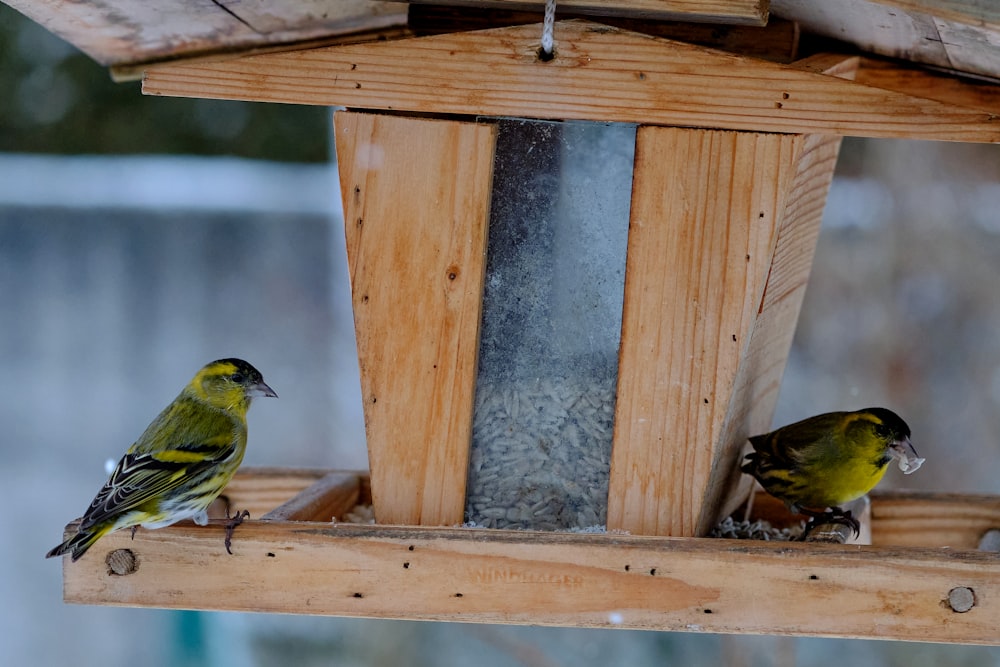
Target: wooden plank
[942,520]
[604,581]
[702,235]
[332,496]
[260,490]
[972,12]
[956,35]
[416,204]
[777,41]
[124,32]
[919,82]
[599,73]
[762,366]
[734,12]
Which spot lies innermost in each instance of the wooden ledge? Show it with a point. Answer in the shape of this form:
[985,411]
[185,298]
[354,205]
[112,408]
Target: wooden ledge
[586,580]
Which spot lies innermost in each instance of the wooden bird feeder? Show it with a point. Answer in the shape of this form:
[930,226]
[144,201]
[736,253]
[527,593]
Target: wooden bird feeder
[738,113]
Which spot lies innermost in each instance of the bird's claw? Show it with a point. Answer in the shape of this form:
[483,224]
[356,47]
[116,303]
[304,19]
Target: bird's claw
[231,523]
[834,515]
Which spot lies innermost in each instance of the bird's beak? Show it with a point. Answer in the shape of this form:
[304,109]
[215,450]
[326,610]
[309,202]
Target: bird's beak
[905,455]
[261,389]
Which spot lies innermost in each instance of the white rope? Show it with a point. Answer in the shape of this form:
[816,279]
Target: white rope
[548,26]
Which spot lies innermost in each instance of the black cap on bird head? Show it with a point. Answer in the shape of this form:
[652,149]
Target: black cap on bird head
[242,372]
[897,439]
[892,421]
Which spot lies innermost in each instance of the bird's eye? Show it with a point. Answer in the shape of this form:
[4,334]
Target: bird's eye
[882,431]
[237,378]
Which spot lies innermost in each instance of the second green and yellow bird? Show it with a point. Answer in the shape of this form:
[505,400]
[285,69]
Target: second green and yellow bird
[183,460]
[819,464]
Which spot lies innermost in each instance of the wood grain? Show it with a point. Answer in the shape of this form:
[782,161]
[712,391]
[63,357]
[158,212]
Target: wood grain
[125,32]
[604,581]
[957,35]
[919,82]
[776,41]
[416,205]
[599,73]
[332,496]
[762,365]
[260,490]
[702,233]
[957,521]
[735,12]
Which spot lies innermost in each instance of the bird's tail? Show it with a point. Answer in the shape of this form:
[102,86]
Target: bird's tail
[80,542]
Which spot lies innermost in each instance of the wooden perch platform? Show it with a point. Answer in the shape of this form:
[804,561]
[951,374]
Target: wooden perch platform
[316,566]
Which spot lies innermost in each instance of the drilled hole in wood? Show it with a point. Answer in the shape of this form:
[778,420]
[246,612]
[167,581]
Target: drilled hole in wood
[628,567]
[406,565]
[707,611]
[546,56]
[652,572]
[270,554]
[358,595]
[813,577]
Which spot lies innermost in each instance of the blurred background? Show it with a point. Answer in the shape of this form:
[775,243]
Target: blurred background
[142,237]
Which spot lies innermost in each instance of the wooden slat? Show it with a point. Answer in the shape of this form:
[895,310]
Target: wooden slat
[762,365]
[777,41]
[334,495]
[605,581]
[919,82]
[957,35]
[416,204]
[125,32]
[702,234]
[972,12]
[260,490]
[599,73]
[945,520]
[735,12]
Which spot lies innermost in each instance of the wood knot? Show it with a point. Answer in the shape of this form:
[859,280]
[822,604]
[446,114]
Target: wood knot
[121,562]
[961,599]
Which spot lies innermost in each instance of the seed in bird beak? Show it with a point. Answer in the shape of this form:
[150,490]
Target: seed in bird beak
[906,456]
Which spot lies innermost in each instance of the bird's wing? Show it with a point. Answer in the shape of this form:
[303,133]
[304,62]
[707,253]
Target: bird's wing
[795,444]
[141,476]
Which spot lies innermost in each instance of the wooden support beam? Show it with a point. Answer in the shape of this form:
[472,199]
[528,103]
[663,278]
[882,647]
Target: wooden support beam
[416,199]
[702,237]
[734,12]
[599,73]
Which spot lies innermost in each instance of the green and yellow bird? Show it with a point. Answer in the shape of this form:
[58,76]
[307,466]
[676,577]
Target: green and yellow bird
[819,464]
[181,463]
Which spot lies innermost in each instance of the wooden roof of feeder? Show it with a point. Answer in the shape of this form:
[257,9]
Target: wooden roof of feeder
[750,99]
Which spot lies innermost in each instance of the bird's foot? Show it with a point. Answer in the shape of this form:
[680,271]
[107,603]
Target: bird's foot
[231,523]
[134,528]
[833,515]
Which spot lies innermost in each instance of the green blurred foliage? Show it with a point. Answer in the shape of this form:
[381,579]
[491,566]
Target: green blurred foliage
[58,100]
